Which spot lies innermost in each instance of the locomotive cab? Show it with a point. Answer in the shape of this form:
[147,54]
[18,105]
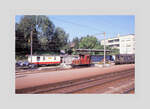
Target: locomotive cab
[84,59]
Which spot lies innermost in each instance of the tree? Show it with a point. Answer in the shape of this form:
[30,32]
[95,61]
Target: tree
[115,51]
[43,43]
[59,40]
[76,41]
[20,44]
[89,42]
[41,26]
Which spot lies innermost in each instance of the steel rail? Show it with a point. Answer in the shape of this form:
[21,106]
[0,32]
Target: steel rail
[58,86]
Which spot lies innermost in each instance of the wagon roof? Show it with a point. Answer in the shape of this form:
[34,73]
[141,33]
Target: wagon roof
[44,55]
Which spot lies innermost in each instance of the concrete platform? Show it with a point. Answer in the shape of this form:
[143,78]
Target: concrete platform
[33,80]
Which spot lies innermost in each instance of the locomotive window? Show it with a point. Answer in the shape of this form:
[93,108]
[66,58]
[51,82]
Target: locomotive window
[43,57]
[83,56]
[54,58]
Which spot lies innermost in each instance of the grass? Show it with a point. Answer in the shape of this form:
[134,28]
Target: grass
[21,58]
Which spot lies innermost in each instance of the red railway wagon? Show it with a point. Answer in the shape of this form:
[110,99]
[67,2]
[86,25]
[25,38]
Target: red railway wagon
[83,60]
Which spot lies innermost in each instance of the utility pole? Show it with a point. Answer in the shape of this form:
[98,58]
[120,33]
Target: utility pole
[31,43]
[104,48]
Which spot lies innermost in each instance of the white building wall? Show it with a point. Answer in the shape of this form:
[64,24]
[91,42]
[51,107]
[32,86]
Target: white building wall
[126,44]
[114,43]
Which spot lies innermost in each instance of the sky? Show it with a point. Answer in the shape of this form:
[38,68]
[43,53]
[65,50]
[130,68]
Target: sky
[82,25]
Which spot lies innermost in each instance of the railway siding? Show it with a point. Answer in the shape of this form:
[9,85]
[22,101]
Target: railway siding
[33,82]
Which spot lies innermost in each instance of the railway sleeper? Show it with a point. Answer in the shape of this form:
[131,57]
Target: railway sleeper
[55,86]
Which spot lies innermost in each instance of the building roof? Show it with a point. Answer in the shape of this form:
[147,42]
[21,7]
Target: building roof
[118,36]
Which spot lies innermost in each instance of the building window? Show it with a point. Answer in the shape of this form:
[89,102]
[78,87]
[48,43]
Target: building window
[110,41]
[128,45]
[116,45]
[116,40]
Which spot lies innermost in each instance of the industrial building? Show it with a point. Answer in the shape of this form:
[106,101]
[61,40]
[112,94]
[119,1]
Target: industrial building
[125,44]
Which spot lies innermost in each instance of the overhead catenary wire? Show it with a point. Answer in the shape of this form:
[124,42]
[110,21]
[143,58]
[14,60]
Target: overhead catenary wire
[79,25]
[85,26]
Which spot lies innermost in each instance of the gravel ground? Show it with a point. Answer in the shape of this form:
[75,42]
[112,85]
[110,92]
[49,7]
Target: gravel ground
[114,87]
[42,78]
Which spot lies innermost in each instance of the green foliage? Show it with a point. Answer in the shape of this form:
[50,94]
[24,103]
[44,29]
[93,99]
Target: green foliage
[76,41]
[41,24]
[43,43]
[46,38]
[60,38]
[115,51]
[89,42]
[22,58]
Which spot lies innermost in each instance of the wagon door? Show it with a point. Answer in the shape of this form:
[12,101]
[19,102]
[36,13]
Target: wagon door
[38,59]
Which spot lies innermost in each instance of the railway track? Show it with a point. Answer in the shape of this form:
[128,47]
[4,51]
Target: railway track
[24,72]
[130,90]
[77,85]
